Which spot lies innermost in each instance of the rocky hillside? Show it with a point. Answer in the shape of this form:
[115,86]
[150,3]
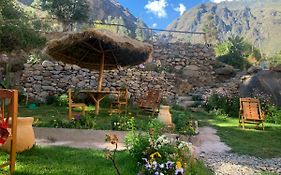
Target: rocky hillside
[259,21]
[102,9]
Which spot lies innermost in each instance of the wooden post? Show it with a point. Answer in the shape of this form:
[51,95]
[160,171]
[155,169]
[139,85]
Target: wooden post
[14,130]
[99,85]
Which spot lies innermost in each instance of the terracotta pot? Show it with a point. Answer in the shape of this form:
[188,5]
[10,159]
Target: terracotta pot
[165,115]
[25,135]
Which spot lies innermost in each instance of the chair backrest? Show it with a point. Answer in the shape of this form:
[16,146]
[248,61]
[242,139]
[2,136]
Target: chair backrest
[153,97]
[9,103]
[123,95]
[251,109]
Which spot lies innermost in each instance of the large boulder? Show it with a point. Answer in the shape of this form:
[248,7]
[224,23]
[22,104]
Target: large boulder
[226,70]
[265,85]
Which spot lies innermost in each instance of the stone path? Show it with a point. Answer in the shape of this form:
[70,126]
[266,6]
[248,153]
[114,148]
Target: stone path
[77,138]
[207,145]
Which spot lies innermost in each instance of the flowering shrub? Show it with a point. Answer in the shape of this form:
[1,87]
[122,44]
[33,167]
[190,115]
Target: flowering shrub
[157,154]
[122,122]
[166,156]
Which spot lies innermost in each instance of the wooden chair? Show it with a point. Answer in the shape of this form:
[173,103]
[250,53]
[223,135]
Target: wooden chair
[74,105]
[121,103]
[250,112]
[9,111]
[151,101]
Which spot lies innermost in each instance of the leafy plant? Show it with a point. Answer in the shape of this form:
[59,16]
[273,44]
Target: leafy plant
[82,122]
[6,83]
[15,29]
[33,58]
[273,114]
[68,11]
[236,52]
[51,99]
[227,105]
[63,100]
[183,122]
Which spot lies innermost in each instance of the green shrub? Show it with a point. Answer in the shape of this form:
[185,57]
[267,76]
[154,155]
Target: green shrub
[63,100]
[273,114]
[156,125]
[56,122]
[227,105]
[82,122]
[78,122]
[183,122]
[51,99]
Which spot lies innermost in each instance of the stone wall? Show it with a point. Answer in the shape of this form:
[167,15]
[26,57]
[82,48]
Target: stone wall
[173,65]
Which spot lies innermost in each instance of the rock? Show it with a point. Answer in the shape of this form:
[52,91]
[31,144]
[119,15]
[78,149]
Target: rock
[253,69]
[227,70]
[47,63]
[277,68]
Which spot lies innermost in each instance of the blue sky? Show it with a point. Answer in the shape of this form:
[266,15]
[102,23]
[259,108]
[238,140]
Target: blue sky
[159,13]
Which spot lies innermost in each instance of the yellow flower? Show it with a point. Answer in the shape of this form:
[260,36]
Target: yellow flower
[155,154]
[152,156]
[178,165]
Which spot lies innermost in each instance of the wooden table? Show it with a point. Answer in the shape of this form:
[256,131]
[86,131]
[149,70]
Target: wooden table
[97,96]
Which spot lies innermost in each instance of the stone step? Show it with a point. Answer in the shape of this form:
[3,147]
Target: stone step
[185,98]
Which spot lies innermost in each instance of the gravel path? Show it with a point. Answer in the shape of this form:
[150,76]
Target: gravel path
[216,155]
[207,146]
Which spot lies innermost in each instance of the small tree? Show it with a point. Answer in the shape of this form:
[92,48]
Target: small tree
[68,12]
[16,32]
[236,52]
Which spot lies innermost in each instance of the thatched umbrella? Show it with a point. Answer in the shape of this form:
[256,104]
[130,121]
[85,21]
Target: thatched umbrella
[98,50]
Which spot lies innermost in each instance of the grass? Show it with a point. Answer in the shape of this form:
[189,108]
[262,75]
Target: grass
[248,141]
[45,113]
[72,161]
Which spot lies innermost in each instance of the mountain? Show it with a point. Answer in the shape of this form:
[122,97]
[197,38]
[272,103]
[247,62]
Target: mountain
[110,11]
[259,21]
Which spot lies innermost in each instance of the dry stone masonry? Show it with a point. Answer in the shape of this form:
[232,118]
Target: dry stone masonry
[175,68]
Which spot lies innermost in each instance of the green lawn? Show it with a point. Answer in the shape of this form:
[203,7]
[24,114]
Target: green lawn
[71,161]
[259,143]
[45,113]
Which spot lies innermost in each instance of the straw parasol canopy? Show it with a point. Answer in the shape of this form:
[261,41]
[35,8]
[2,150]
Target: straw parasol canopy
[87,48]
[98,50]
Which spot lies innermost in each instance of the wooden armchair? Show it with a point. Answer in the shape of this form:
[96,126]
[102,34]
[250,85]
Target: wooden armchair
[74,105]
[151,101]
[121,103]
[9,110]
[250,112]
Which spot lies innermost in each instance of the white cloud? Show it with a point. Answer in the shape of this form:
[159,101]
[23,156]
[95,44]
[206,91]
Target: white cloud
[181,9]
[157,7]
[219,1]
[154,25]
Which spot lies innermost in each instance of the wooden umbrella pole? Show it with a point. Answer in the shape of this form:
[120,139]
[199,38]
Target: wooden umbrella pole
[99,96]
[101,73]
